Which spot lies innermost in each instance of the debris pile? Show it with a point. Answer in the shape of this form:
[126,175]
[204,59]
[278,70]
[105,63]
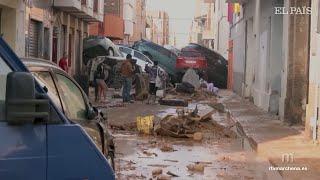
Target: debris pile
[184,123]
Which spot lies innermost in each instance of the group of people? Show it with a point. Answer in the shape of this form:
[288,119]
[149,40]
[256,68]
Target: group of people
[127,71]
[156,78]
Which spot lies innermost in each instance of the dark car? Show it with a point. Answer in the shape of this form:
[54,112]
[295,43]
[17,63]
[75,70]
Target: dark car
[69,97]
[166,58]
[217,71]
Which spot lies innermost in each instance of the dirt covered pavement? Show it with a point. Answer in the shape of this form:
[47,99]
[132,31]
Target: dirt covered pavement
[212,151]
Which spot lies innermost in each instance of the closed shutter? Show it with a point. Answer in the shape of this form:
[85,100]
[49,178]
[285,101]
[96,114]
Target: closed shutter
[33,38]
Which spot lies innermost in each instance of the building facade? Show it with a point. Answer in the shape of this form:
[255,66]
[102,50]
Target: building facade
[201,31]
[139,26]
[270,56]
[221,28]
[113,23]
[48,29]
[12,24]
[158,30]
[313,100]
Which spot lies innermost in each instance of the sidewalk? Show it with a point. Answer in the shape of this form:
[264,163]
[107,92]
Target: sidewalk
[272,139]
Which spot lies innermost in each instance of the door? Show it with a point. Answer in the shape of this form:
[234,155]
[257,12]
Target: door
[55,45]
[70,147]
[22,148]
[34,31]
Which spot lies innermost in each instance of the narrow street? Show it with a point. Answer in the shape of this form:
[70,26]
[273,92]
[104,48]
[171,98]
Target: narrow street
[220,154]
[160,89]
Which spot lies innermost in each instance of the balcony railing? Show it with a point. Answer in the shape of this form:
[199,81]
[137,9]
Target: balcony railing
[87,10]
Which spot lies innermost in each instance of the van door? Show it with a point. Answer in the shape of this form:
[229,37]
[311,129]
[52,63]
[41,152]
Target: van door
[22,148]
[69,144]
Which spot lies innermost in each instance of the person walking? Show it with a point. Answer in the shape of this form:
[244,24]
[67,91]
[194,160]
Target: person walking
[63,62]
[155,80]
[127,72]
[100,77]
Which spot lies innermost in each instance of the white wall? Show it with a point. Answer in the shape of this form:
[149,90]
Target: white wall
[221,28]
[128,16]
[314,74]
[257,68]
[12,25]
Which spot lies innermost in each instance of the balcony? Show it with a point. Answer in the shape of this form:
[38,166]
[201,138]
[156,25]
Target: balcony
[68,6]
[113,27]
[88,10]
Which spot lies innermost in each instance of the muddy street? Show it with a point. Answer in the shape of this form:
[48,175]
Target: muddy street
[216,152]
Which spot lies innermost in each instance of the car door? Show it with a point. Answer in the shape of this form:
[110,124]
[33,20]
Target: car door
[67,141]
[23,148]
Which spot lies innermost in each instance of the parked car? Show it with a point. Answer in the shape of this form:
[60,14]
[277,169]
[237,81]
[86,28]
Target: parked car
[191,59]
[166,58]
[142,60]
[43,135]
[217,71]
[94,46]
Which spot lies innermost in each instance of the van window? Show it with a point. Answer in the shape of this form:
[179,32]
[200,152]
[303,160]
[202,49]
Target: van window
[45,79]
[72,98]
[4,70]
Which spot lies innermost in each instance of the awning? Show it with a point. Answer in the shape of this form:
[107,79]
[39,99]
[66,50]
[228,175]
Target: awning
[237,1]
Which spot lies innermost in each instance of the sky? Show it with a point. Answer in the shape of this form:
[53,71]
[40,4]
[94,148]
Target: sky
[181,13]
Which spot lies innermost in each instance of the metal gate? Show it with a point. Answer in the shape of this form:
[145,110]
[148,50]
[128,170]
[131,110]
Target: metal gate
[34,31]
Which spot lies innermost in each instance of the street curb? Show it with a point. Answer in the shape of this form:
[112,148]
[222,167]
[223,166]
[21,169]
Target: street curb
[253,143]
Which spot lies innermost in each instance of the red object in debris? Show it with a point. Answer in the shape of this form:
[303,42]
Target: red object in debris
[191,59]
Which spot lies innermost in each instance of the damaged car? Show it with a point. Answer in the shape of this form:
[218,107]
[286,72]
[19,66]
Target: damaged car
[217,66]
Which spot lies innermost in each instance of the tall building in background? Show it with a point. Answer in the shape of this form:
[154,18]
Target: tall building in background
[113,23]
[139,26]
[201,30]
[158,27]
[129,17]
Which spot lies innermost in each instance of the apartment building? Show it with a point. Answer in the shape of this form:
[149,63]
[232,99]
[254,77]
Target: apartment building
[158,27]
[201,30]
[270,57]
[113,23]
[49,28]
[12,24]
[139,26]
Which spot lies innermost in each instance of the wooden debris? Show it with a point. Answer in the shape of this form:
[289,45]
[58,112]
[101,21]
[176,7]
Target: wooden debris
[196,167]
[172,174]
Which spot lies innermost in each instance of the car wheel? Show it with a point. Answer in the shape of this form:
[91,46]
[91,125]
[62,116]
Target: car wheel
[110,52]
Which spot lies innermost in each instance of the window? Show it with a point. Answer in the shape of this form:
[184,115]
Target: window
[125,50]
[4,70]
[45,79]
[72,98]
[142,57]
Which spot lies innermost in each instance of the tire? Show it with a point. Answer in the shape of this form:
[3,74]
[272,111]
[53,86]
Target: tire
[111,52]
